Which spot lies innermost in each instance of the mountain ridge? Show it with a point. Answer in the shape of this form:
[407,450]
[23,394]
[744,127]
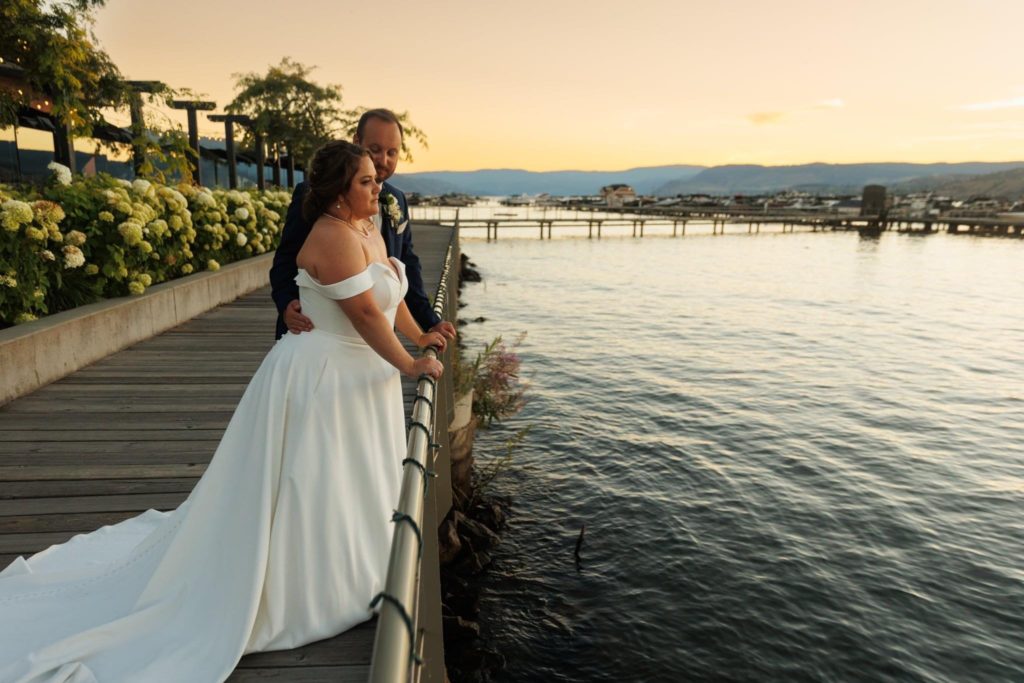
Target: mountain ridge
[645,179]
[670,180]
[1007,184]
[821,177]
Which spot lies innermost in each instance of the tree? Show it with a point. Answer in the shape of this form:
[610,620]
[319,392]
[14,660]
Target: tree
[53,44]
[59,61]
[288,108]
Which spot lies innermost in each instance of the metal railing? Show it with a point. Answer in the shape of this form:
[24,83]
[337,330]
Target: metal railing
[400,650]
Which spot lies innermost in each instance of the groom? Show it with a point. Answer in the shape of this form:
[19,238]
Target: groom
[379,132]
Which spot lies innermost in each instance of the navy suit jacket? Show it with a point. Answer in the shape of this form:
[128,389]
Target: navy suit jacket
[296,230]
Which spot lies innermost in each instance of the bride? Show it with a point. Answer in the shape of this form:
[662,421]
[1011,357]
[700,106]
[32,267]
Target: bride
[285,539]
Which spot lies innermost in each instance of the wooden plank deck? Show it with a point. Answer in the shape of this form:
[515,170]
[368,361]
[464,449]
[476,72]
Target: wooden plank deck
[136,430]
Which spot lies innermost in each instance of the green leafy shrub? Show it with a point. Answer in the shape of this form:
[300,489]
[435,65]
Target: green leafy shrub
[79,239]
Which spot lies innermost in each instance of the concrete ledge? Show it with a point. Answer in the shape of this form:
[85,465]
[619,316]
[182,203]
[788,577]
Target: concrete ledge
[34,354]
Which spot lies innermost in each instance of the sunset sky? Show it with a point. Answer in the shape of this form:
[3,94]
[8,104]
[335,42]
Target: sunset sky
[612,85]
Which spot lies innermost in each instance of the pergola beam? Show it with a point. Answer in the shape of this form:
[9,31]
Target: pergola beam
[192,106]
[138,122]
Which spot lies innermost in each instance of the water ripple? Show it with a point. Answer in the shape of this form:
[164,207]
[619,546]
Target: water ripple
[798,458]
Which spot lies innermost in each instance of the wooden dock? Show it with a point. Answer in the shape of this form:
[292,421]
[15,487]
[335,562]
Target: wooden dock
[637,221]
[136,430]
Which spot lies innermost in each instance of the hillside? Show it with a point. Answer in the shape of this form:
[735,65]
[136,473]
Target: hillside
[1000,185]
[514,181]
[752,179]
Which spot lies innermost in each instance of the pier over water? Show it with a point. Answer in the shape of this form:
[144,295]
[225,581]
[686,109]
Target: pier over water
[595,222]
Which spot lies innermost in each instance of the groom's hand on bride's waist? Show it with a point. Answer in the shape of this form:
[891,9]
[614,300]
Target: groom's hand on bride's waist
[294,320]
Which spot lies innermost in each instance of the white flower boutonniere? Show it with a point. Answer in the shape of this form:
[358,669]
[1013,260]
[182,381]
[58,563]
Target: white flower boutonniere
[394,211]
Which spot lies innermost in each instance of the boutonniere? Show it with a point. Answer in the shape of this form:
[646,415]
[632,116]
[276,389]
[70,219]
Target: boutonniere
[394,211]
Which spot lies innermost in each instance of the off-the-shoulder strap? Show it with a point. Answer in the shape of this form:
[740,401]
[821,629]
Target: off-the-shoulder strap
[344,289]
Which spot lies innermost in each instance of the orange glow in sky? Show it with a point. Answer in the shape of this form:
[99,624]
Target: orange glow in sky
[600,85]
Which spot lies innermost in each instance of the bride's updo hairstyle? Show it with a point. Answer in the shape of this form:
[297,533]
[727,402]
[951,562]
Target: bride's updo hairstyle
[330,174]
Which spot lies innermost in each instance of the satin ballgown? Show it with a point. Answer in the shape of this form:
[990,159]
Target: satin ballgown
[283,541]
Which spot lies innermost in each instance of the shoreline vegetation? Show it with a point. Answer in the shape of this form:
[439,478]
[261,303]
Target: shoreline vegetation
[487,391]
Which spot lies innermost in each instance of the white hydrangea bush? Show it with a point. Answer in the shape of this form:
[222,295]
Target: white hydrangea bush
[81,239]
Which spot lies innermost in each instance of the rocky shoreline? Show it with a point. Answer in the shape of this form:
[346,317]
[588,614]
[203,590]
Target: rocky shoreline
[466,539]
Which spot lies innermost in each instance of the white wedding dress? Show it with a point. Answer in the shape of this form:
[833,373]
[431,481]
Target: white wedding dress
[284,540]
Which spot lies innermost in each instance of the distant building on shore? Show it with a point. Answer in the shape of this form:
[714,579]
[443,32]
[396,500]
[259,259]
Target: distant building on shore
[617,194]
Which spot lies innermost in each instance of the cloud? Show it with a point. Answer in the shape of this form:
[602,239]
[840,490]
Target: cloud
[834,103]
[761,118]
[1012,103]
[765,118]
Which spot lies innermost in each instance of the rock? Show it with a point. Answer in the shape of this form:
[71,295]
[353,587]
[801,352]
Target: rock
[476,562]
[459,629]
[470,676]
[467,605]
[488,512]
[481,659]
[467,270]
[454,584]
[449,543]
[497,516]
[481,536]
[462,478]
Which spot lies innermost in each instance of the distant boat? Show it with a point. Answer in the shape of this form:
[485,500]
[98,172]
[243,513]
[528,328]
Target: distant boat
[517,200]
[547,200]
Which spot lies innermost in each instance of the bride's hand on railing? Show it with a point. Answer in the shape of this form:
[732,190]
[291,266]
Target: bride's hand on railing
[435,339]
[426,366]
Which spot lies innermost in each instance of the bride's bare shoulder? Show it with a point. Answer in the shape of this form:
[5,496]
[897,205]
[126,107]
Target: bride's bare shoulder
[330,254]
[325,243]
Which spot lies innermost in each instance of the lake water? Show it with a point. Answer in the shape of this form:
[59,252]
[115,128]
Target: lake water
[797,457]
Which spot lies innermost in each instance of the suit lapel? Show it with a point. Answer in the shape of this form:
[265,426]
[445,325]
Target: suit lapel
[385,225]
[385,220]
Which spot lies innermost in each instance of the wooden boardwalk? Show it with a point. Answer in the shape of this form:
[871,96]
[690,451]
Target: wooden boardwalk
[136,430]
